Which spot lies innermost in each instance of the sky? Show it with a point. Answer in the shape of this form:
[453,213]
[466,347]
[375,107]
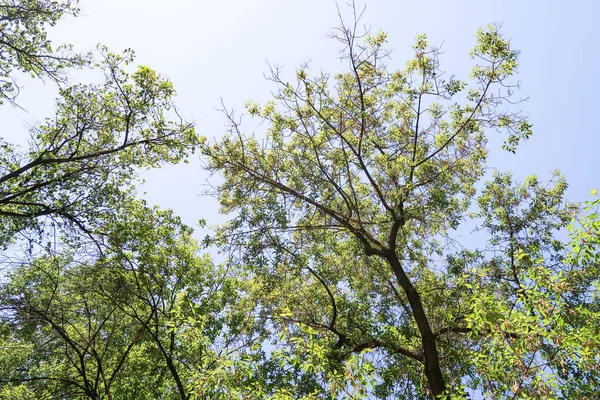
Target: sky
[213,50]
[220,49]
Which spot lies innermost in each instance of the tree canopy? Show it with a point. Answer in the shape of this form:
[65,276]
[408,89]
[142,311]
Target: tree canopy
[341,273]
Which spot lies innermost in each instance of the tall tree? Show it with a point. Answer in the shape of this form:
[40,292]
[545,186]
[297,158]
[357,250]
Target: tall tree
[69,342]
[141,314]
[61,334]
[345,209]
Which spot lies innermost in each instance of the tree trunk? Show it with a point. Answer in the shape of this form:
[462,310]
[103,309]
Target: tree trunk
[432,361]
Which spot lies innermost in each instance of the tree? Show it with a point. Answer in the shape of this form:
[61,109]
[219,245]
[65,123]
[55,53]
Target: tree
[344,279]
[68,341]
[529,293]
[344,211]
[145,315]
[65,330]
[80,161]
[60,195]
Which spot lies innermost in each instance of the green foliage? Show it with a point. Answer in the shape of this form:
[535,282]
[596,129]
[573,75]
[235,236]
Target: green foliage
[525,323]
[100,303]
[25,47]
[344,211]
[81,161]
[144,316]
[344,279]
[85,158]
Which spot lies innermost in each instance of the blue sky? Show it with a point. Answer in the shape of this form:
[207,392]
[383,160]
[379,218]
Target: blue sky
[214,49]
[219,49]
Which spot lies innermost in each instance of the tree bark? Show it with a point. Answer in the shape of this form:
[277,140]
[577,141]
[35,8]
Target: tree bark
[433,372]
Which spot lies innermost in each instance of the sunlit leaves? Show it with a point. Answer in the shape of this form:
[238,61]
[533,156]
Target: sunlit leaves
[366,162]
[24,46]
[532,294]
[84,159]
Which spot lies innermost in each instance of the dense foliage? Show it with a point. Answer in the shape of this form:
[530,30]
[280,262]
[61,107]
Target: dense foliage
[344,277]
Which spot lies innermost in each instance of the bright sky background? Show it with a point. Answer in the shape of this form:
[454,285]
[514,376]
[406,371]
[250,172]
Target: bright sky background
[220,48]
[214,49]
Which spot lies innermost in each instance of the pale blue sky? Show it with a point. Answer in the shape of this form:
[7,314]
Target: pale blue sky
[213,49]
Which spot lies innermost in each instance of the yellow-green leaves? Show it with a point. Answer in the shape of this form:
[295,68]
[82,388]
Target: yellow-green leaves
[81,161]
[377,40]
[421,43]
[370,163]
[25,46]
[344,217]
